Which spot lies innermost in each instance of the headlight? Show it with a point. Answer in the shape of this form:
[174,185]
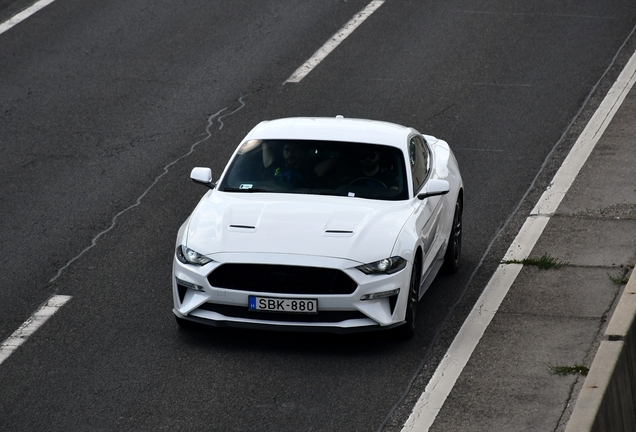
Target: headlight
[384,266]
[188,256]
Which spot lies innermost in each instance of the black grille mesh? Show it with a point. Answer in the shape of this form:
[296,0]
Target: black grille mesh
[281,279]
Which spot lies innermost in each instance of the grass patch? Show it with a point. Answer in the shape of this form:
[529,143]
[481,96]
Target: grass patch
[618,280]
[577,369]
[544,262]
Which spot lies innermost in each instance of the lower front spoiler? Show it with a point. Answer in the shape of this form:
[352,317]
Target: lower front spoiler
[285,327]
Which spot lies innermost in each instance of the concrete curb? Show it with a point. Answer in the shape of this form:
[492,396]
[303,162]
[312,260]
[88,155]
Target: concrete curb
[607,401]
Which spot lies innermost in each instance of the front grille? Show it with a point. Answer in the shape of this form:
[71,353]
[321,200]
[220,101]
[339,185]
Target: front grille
[321,316]
[281,279]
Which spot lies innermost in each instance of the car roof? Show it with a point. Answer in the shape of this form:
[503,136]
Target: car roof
[333,129]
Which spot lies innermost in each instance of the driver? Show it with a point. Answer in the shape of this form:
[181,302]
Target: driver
[372,172]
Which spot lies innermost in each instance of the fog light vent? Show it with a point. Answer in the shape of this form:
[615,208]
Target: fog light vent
[379,295]
[189,285]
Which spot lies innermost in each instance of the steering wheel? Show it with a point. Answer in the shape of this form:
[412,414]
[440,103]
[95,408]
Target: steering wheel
[368,179]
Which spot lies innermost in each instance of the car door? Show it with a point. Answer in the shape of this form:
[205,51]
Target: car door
[427,211]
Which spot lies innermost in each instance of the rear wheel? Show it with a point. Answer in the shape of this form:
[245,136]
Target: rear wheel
[407,330]
[454,248]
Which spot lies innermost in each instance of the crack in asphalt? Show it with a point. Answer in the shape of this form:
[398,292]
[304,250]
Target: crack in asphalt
[208,134]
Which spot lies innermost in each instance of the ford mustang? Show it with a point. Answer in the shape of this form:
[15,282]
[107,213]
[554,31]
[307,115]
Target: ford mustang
[320,224]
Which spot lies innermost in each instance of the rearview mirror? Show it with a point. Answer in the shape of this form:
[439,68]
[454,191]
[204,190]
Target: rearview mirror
[202,176]
[435,187]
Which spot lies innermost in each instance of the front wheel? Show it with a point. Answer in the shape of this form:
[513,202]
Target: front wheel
[407,330]
[454,248]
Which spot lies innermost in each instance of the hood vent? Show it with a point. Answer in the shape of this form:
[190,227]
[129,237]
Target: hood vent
[242,228]
[337,233]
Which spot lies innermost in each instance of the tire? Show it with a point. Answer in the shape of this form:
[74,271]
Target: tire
[407,330]
[454,248]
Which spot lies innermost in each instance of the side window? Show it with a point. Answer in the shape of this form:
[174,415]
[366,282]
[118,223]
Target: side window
[418,158]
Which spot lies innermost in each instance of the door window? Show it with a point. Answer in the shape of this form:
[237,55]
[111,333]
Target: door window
[419,161]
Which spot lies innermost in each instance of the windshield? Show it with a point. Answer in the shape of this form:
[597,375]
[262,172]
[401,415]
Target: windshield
[318,167]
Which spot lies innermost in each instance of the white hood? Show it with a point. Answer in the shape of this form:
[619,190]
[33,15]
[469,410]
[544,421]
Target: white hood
[340,227]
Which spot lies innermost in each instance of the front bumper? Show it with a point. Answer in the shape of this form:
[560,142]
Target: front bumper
[195,299]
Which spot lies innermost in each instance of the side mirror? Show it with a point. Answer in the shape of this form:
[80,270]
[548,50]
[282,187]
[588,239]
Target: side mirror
[435,187]
[202,176]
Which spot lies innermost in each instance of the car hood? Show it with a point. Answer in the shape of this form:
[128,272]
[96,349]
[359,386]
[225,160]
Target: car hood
[340,227]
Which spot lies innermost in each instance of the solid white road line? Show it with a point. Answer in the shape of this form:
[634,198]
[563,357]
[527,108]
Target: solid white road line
[18,18]
[585,144]
[439,387]
[332,43]
[31,325]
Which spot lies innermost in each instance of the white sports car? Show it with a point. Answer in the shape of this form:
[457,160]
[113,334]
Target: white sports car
[323,224]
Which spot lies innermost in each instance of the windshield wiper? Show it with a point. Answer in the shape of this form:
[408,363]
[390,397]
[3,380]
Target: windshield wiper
[231,189]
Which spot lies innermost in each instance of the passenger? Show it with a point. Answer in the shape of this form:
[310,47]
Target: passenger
[293,167]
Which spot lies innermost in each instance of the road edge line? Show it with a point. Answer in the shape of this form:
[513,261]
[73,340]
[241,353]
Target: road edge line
[448,371]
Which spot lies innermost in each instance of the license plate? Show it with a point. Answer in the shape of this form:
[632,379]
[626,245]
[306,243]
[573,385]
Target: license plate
[270,304]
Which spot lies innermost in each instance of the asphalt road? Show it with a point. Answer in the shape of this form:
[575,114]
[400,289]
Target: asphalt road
[106,106]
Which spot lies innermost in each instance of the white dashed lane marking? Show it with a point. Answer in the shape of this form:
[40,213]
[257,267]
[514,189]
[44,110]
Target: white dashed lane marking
[29,327]
[332,43]
[18,18]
